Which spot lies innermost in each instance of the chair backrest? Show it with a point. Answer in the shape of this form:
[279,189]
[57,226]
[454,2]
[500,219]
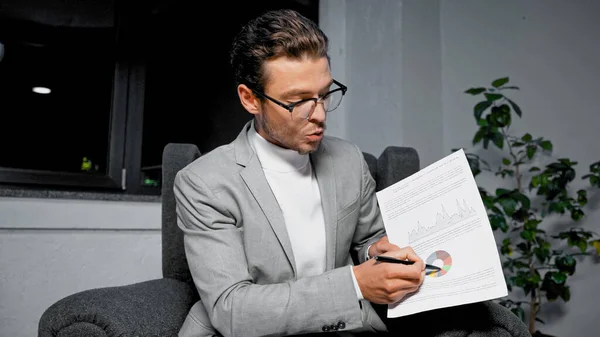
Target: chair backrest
[395,163]
[174,263]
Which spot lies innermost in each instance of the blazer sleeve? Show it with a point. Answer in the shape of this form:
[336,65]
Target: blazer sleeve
[235,305]
[370,226]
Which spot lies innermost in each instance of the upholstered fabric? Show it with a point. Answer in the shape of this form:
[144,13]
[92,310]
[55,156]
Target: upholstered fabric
[151,308]
[174,262]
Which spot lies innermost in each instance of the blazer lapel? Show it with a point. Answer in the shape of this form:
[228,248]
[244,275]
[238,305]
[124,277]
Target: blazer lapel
[254,178]
[323,166]
[256,182]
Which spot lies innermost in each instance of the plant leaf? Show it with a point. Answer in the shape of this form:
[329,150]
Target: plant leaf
[519,312]
[480,108]
[509,205]
[576,215]
[498,139]
[478,136]
[553,285]
[493,97]
[594,180]
[542,252]
[502,192]
[531,151]
[523,199]
[566,264]
[596,244]
[475,91]
[515,107]
[566,294]
[546,145]
[528,235]
[497,221]
[559,278]
[582,244]
[500,82]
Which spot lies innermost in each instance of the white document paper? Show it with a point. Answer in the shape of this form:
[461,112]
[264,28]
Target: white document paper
[438,212]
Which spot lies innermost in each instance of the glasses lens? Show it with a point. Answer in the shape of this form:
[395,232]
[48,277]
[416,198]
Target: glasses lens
[332,100]
[303,110]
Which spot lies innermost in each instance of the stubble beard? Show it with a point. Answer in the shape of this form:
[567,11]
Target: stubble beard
[285,138]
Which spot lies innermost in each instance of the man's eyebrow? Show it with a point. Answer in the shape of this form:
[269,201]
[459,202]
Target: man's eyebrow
[300,92]
[295,92]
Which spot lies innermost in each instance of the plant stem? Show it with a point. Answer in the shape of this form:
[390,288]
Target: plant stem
[579,254]
[533,307]
[515,160]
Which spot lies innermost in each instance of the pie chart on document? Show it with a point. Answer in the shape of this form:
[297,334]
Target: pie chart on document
[442,259]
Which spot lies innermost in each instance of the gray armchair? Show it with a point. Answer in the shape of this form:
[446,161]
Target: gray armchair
[159,307]
[152,308]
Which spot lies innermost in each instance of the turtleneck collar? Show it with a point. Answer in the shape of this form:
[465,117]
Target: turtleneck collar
[273,157]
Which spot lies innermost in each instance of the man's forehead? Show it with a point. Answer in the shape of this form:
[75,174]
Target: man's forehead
[284,72]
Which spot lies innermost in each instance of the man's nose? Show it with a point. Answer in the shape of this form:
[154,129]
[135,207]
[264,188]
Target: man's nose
[319,114]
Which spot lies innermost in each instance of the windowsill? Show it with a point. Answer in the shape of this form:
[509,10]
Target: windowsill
[16,192]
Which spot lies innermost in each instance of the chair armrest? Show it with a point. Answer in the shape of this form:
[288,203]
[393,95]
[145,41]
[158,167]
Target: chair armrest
[151,308]
[481,319]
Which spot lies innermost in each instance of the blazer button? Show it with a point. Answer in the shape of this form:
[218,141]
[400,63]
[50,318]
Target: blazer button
[333,327]
[326,328]
[341,325]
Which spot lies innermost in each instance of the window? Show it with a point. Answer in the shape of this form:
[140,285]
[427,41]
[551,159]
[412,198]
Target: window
[119,94]
[60,120]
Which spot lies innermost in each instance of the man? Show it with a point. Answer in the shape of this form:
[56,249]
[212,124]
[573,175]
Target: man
[271,220]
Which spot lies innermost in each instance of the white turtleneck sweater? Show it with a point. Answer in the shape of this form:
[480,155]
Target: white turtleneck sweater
[293,182]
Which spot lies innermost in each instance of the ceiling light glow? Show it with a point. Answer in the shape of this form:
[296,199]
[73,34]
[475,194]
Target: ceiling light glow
[41,90]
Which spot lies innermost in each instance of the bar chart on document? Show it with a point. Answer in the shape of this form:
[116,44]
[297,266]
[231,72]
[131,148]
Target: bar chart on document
[439,213]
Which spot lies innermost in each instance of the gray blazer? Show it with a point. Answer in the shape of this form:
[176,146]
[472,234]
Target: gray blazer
[241,258]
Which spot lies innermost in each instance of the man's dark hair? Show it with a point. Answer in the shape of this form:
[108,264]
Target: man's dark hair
[275,33]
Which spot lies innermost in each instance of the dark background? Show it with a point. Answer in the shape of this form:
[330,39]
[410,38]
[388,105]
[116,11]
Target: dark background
[185,93]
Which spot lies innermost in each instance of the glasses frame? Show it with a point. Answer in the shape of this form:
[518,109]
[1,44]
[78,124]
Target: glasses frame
[290,107]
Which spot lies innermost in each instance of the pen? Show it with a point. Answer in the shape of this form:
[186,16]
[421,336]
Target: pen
[388,259]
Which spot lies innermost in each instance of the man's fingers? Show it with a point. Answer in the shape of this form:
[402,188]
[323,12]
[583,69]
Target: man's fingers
[403,288]
[385,247]
[420,264]
[406,253]
[404,272]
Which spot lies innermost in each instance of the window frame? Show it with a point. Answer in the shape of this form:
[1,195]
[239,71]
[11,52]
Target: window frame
[113,178]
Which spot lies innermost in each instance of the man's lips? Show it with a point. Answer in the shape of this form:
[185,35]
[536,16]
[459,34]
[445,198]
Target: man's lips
[315,136]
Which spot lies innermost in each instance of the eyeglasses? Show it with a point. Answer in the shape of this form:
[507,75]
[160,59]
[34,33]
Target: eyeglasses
[305,108]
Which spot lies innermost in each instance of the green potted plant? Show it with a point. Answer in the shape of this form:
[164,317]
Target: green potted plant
[536,260]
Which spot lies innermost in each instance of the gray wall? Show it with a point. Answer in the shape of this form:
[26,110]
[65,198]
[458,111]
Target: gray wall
[51,248]
[388,52]
[550,49]
[407,64]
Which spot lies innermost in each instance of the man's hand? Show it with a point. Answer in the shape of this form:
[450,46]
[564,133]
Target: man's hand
[382,246]
[386,283]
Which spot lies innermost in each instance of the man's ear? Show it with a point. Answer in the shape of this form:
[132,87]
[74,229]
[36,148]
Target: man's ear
[248,99]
